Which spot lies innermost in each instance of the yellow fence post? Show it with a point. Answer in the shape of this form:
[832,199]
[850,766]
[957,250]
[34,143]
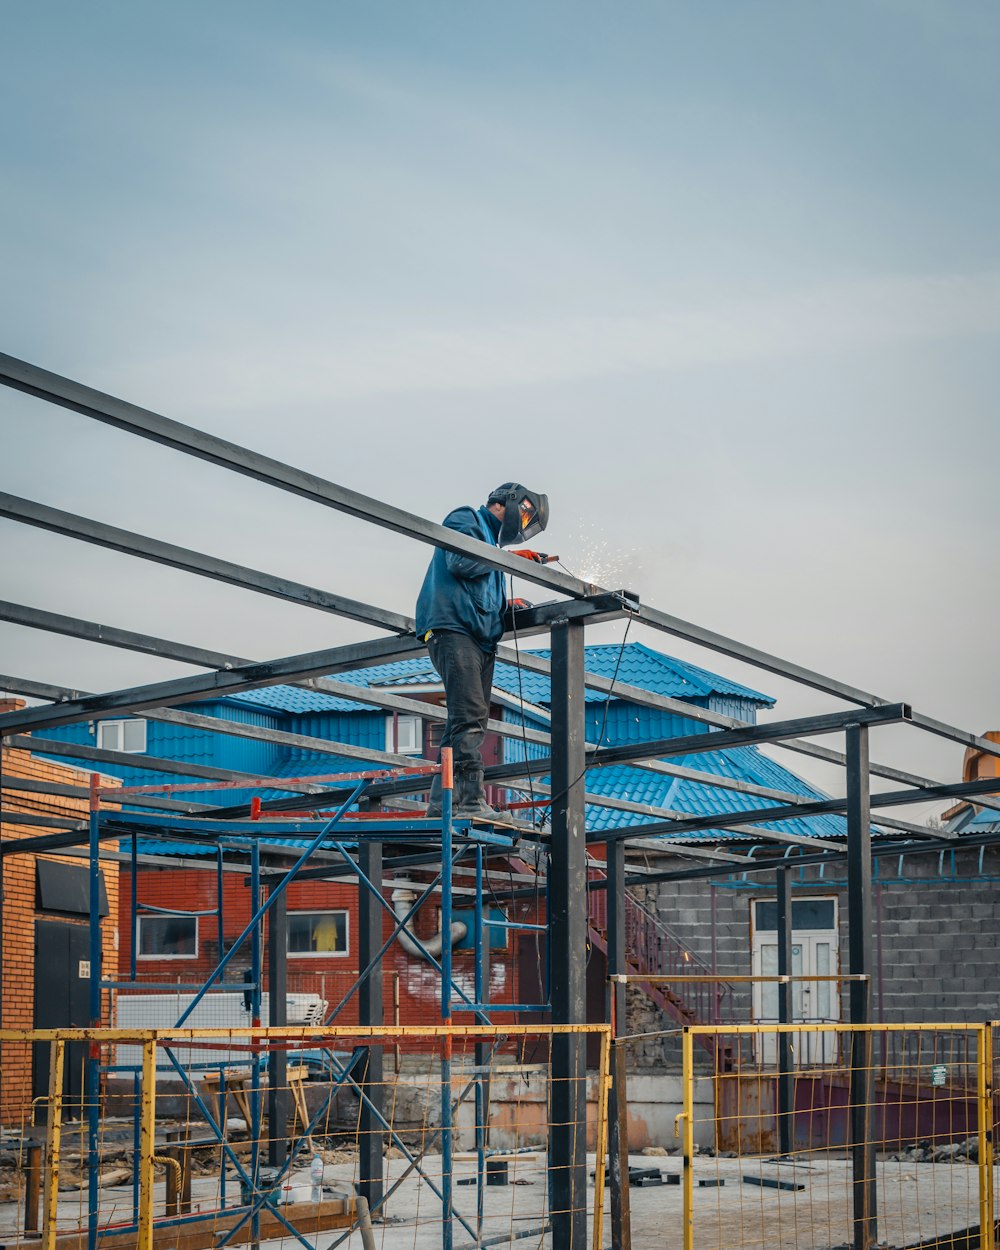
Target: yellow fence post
[53,1138]
[147,1144]
[603,1089]
[985,1092]
[687,1051]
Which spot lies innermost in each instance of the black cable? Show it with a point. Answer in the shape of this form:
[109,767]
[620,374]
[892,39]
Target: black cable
[604,723]
[531,789]
[520,695]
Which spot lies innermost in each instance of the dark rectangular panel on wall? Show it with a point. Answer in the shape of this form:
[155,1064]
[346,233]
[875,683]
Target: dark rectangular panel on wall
[66,888]
[62,1001]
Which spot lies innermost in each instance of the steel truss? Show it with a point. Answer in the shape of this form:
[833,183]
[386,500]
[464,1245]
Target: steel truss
[380,847]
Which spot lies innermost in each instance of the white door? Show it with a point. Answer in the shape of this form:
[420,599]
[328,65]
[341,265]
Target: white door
[814,953]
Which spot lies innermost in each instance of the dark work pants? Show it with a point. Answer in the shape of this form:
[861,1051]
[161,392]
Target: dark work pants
[467,672]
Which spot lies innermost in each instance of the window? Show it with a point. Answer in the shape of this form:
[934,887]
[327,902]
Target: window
[168,937]
[317,933]
[807,913]
[122,735]
[404,735]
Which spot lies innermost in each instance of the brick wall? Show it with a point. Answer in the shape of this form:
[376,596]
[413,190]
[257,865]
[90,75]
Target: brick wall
[331,977]
[19,912]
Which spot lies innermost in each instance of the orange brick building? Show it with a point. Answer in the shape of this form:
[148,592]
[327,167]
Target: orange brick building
[36,925]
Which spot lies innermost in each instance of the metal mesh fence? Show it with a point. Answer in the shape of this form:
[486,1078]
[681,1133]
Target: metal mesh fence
[133,1143]
[827,1136]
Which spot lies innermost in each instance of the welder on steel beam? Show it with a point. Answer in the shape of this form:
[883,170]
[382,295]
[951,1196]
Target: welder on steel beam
[460,615]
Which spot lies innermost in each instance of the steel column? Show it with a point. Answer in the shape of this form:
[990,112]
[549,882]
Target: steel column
[859,932]
[786,1085]
[568,940]
[371,1011]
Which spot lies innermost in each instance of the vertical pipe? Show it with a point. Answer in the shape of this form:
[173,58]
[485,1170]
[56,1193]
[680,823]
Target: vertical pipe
[987,1232]
[134,914]
[220,910]
[601,1143]
[447,782]
[148,1146]
[687,1140]
[621,1218]
[568,939]
[92,1069]
[859,903]
[277,1017]
[136,1142]
[371,1011]
[786,1087]
[53,1144]
[255,999]
[481,1051]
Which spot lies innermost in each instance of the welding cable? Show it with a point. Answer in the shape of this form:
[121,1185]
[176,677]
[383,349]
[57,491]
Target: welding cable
[604,722]
[536,817]
[520,695]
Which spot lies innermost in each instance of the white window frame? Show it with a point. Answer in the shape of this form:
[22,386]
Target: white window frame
[324,911]
[411,734]
[138,937]
[123,727]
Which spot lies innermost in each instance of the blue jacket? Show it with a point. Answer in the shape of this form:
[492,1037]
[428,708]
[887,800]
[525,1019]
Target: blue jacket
[459,592]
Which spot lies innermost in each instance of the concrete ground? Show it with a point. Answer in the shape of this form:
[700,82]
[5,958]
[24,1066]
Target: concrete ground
[917,1201]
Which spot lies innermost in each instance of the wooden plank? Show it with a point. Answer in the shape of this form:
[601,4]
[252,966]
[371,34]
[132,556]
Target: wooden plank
[306,1217]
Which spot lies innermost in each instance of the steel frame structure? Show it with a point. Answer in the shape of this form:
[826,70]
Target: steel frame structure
[567,764]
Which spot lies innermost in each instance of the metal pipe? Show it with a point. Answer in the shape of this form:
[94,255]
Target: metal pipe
[447,1143]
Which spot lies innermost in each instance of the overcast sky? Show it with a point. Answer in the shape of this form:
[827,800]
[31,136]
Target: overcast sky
[722,278]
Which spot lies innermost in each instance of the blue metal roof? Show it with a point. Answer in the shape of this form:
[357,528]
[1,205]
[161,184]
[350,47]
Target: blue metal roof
[295,700]
[696,799]
[638,665]
[975,820]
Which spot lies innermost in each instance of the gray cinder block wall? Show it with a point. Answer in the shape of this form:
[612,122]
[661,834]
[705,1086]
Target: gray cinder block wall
[935,942]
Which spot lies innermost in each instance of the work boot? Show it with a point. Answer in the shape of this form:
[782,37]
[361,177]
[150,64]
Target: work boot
[470,795]
[434,804]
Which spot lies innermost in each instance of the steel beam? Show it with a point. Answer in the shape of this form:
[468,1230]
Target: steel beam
[55,789]
[68,524]
[36,618]
[66,393]
[219,724]
[568,941]
[22,376]
[886,798]
[77,751]
[217,683]
[688,744]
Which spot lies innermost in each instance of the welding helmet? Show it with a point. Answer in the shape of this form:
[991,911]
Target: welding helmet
[527,512]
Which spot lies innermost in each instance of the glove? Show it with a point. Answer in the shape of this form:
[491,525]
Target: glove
[539,557]
[514,606]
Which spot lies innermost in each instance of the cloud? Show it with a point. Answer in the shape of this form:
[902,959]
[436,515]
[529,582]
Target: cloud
[831,318]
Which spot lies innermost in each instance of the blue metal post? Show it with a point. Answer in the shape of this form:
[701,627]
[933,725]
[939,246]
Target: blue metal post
[93,1071]
[134,918]
[219,898]
[482,1100]
[256,975]
[447,1197]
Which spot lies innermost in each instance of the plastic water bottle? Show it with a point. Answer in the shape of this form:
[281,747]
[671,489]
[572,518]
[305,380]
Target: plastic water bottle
[316,1176]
